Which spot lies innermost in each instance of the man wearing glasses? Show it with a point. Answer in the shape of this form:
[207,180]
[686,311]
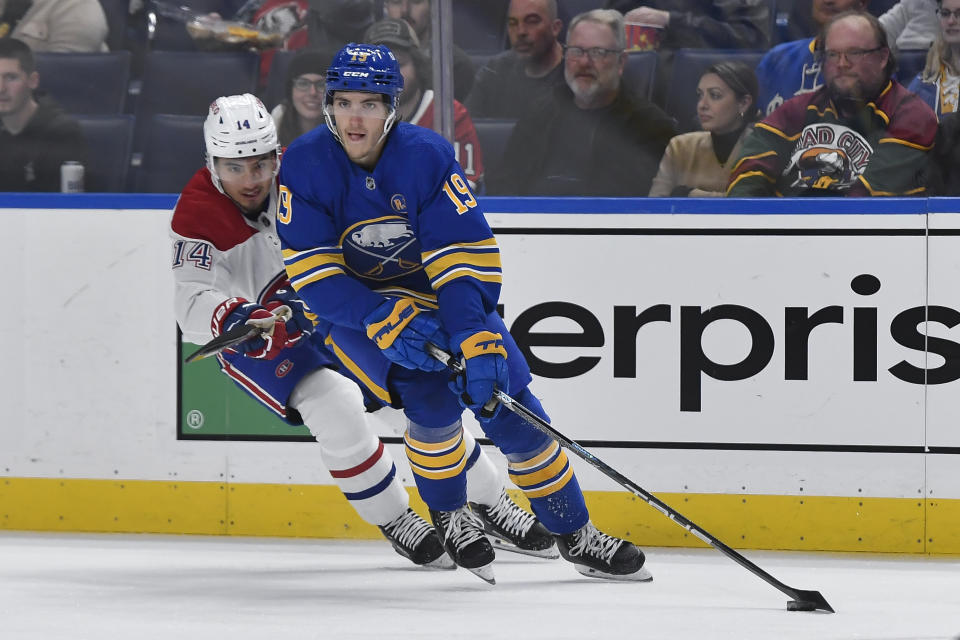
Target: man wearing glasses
[593,137]
[861,134]
[792,68]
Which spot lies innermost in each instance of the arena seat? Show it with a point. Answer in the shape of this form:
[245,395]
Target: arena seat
[273,93]
[86,83]
[493,134]
[109,144]
[910,62]
[173,151]
[640,71]
[185,82]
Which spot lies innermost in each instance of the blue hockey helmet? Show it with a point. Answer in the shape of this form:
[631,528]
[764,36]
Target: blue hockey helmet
[364,67]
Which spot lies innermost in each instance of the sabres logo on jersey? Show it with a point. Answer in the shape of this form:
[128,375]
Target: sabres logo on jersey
[398,202]
[381,249]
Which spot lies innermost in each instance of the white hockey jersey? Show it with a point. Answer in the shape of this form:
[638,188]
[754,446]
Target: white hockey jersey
[219,254]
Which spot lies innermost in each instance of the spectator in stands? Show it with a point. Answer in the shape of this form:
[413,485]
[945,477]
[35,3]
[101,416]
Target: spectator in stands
[698,163]
[860,134]
[938,83]
[416,106]
[36,136]
[792,68]
[717,24]
[943,169]
[591,138]
[302,106]
[911,24]
[55,25]
[417,14]
[530,69]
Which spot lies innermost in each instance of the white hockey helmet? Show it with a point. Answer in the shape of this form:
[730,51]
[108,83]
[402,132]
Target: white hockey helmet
[238,127]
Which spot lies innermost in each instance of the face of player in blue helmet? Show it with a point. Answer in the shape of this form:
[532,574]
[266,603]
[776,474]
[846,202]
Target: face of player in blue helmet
[363,86]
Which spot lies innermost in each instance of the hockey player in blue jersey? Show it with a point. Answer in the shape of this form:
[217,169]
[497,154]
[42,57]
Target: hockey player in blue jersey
[383,238]
[228,270]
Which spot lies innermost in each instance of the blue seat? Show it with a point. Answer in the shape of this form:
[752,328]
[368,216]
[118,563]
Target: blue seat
[568,9]
[273,94]
[184,82]
[493,134]
[480,25]
[88,83]
[688,66]
[639,72]
[109,143]
[910,62]
[173,152]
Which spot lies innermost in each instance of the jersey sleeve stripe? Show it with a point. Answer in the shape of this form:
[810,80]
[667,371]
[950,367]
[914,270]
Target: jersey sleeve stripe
[465,272]
[905,143]
[753,157]
[775,131]
[427,256]
[315,276]
[297,267]
[489,260]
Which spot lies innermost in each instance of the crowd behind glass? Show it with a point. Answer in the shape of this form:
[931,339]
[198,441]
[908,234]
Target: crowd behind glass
[667,98]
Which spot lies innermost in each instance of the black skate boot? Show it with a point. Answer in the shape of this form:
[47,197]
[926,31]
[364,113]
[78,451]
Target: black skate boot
[414,539]
[462,534]
[599,555]
[512,529]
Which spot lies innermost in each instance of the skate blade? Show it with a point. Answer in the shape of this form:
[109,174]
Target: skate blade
[550,553]
[637,576]
[443,563]
[484,572]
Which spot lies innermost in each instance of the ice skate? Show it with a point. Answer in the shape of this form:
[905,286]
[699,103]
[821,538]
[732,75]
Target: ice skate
[599,555]
[462,534]
[510,528]
[414,539]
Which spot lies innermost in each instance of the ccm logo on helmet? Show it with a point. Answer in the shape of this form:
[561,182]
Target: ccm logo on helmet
[355,74]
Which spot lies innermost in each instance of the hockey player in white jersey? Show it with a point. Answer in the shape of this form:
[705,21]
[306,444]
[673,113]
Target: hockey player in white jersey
[229,270]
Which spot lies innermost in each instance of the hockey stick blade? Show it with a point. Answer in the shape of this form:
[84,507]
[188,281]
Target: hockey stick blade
[802,600]
[238,334]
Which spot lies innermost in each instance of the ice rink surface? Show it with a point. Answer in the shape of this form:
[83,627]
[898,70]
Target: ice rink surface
[55,586]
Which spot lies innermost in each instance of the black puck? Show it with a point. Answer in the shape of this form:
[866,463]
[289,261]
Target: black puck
[801,605]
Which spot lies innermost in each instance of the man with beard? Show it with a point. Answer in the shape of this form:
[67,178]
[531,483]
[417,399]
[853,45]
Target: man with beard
[861,134]
[530,69]
[590,137]
[792,68]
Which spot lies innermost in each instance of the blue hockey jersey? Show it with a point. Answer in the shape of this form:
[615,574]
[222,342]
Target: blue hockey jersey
[787,70]
[410,227]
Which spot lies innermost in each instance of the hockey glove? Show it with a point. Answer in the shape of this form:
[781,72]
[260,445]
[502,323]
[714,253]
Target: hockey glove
[402,331]
[484,369]
[300,325]
[273,330]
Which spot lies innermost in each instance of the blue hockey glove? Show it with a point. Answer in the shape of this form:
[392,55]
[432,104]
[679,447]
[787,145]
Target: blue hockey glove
[300,325]
[402,331]
[484,361]
[273,336]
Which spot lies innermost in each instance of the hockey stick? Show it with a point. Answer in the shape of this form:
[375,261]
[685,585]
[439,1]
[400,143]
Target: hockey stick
[802,600]
[240,333]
